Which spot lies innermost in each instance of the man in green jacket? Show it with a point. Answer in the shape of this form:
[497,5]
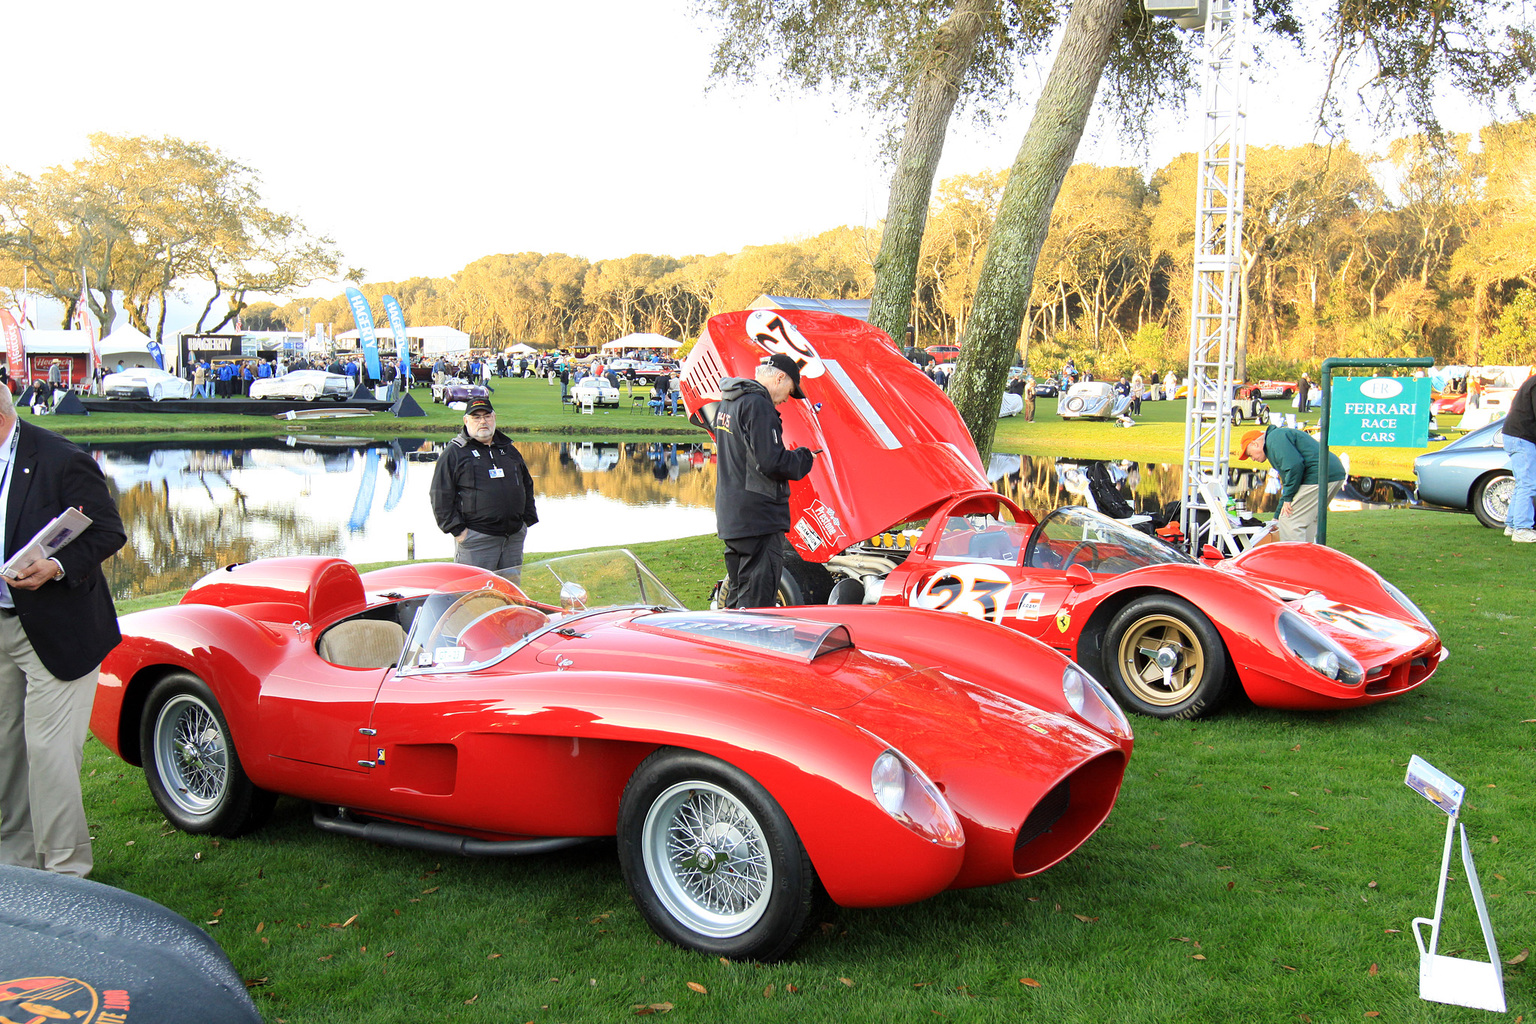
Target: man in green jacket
[1296,456]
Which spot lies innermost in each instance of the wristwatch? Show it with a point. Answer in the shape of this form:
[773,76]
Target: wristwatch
[60,574]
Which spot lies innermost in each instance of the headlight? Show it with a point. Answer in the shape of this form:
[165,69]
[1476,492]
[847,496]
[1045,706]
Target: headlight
[1408,606]
[906,794]
[1092,702]
[1318,651]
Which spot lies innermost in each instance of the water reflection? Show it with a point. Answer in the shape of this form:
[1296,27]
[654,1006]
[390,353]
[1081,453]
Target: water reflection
[188,511]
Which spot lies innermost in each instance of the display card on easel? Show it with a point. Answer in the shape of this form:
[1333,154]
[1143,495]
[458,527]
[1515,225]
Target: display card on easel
[1449,979]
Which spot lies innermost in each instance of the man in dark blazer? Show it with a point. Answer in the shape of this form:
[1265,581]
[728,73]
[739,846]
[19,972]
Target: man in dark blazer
[57,622]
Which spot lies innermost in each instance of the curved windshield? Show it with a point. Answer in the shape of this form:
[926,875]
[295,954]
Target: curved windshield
[1074,535]
[460,631]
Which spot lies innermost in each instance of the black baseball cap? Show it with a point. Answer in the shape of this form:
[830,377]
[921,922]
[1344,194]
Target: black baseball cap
[791,369]
[479,405]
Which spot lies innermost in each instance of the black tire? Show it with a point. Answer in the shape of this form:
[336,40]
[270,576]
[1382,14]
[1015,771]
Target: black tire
[712,860]
[190,762]
[1237,415]
[1149,629]
[1490,499]
[803,583]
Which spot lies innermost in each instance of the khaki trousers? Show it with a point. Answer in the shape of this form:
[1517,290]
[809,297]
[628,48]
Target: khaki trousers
[1301,524]
[43,722]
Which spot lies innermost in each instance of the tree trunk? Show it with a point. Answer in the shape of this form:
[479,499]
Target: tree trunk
[1024,215]
[917,162]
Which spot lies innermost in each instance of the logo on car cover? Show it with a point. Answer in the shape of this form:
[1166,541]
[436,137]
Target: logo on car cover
[48,999]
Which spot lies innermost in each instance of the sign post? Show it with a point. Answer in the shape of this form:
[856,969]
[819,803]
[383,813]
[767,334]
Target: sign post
[1325,424]
[1449,979]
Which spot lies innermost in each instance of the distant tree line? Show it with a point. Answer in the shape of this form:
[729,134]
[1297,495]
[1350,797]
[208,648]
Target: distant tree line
[1427,250]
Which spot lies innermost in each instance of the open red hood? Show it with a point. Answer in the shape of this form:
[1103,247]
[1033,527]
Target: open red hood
[892,445]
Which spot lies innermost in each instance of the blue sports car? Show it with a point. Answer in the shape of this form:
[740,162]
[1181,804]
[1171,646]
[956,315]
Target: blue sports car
[1471,474]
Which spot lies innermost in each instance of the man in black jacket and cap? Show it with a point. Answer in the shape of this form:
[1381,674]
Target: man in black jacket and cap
[752,479]
[482,494]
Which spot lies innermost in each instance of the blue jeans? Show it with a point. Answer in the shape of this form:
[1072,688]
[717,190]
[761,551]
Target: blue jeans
[1522,459]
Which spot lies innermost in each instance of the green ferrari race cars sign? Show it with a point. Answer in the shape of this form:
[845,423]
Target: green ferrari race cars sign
[1380,412]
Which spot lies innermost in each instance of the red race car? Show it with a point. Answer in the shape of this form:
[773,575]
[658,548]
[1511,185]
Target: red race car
[897,511]
[740,758]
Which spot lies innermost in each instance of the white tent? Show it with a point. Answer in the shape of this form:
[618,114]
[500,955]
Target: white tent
[655,342]
[128,345]
[435,341]
[520,349]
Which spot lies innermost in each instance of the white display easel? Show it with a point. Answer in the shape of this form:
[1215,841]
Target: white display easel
[1449,979]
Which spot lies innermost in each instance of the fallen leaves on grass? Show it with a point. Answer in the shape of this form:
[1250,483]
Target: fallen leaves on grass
[1519,958]
[768,992]
[1198,956]
[700,989]
[1372,971]
[1085,918]
[846,981]
[646,1009]
[1031,982]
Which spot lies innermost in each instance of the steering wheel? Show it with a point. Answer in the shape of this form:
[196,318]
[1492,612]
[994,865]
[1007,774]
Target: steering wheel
[462,612]
[1072,555]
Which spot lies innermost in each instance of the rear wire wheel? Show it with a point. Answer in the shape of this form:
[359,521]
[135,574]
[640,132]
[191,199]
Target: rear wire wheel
[1490,500]
[1163,658]
[191,765]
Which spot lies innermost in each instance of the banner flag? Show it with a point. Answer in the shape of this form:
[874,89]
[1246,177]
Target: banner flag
[362,315]
[402,343]
[15,351]
[156,352]
[84,323]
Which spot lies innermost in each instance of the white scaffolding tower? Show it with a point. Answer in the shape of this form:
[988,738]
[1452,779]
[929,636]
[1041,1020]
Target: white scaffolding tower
[1217,298]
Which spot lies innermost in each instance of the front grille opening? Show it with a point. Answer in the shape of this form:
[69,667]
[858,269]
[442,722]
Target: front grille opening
[1046,813]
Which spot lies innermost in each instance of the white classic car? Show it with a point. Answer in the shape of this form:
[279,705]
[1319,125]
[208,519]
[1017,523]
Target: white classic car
[1092,400]
[594,391]
[145,382]
[307,385]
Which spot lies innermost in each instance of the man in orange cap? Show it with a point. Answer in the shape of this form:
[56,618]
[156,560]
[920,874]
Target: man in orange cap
[1296,456]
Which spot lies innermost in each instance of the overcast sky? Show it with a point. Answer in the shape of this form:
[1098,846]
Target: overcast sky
[423,136]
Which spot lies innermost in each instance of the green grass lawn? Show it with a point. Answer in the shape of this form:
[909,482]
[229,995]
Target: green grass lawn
[1260,866]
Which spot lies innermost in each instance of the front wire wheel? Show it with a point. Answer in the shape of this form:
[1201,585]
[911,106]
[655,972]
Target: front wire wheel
[1164,659]
[712,860]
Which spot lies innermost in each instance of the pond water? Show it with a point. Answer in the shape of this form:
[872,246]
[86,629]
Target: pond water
[190,510]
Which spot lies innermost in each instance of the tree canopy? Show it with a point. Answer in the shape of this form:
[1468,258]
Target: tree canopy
[141,218]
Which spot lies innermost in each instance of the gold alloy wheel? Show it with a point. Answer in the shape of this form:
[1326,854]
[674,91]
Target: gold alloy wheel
[1161,660]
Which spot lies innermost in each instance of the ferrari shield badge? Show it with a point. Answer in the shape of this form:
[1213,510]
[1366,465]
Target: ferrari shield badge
[1063,620]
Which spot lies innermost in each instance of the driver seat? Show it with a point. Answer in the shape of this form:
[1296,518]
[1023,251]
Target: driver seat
[363,643]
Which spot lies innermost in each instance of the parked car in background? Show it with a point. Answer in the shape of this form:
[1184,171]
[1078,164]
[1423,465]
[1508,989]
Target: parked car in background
[1092,400]
[897,510]
[456,389]
[594,391]
[943,353]
[1046,387]
[1274,388]
[149,382]
[1246,406]
[1471,474]
[648,372]
[305,385]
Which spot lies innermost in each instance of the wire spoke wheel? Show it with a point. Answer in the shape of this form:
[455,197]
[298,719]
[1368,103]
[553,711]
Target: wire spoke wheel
[191,754]
[708,858]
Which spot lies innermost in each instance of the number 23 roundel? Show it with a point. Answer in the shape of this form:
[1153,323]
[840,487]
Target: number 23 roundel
[980,591]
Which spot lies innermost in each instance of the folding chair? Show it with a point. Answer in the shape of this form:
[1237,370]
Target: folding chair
[1233,540]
